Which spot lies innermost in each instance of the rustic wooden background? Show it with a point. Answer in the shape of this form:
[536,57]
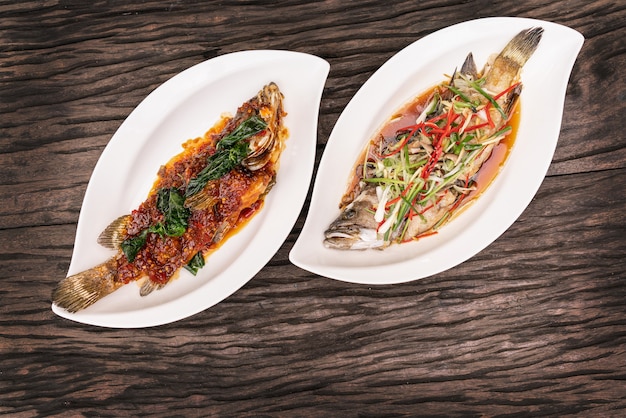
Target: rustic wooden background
[533,325]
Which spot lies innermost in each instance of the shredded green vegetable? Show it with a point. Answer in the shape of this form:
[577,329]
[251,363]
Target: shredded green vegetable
[414,170]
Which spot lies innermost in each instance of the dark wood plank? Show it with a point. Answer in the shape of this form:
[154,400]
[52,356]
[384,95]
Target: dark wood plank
[513,329]
[535,324]
[85,102]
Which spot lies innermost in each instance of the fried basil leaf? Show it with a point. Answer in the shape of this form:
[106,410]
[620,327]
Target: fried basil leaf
[196,263]
[131,246]
[171,203]
[231,150]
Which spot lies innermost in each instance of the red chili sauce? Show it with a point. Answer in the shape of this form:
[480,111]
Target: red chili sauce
[163,256]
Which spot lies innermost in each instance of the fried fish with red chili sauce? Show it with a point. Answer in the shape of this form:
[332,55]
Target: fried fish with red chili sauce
[199,197]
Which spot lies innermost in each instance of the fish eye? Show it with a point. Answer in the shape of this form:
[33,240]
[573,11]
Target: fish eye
[349,214]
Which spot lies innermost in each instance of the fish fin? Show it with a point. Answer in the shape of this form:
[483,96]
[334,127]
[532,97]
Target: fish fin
[148,286]
[469,67]
[204,199]
[83,289]
[221,232]
[512,99]
[115,233]
[269,187]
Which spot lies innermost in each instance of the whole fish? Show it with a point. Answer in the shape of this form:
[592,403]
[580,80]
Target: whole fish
[199,197]
[411,180]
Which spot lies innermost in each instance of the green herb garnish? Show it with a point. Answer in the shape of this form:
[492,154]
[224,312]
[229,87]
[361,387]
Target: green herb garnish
[171,204]
[231,150]
[489,97]
[196,263]
[131,246]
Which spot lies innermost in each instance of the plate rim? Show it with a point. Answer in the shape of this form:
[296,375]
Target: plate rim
[300,255]
[312,66]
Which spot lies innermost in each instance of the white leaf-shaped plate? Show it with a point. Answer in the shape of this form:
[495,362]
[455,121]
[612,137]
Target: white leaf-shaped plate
[184,107]
[408,73]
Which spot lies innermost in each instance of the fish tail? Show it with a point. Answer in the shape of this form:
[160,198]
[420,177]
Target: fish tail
[522,46]
[83,289]
[508,64]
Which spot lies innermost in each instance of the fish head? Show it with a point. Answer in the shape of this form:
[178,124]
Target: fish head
[266,146]
[355,227]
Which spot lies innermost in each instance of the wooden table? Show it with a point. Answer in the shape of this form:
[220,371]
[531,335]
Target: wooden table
[534,325]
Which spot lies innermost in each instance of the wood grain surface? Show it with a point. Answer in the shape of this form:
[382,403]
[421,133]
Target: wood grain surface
[534,325]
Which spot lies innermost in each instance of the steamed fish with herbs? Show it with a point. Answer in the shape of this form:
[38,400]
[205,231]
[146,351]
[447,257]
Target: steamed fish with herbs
[429,159]
[199,197]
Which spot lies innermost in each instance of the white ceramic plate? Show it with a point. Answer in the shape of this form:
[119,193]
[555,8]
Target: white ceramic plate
[185,107]
[408,73]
